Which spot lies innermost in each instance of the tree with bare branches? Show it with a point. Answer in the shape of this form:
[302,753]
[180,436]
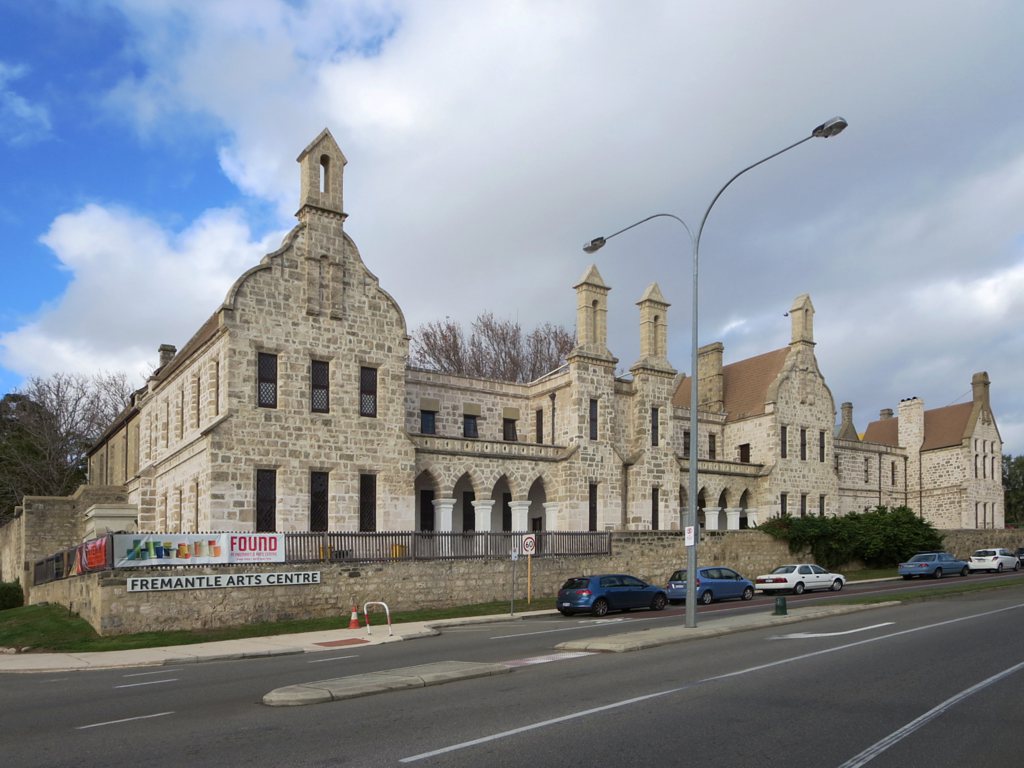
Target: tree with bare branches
[46,429]
[494,349]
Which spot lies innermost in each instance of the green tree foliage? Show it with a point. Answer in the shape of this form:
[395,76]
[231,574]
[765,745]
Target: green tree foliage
[46,430]
[880,538]
[11,595]
[1013,485]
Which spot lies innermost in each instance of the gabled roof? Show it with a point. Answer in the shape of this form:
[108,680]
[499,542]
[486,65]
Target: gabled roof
[744,383]
[206,332]
[943,427]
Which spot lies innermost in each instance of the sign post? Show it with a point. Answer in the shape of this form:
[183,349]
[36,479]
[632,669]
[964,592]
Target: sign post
[529,547]
[512,593]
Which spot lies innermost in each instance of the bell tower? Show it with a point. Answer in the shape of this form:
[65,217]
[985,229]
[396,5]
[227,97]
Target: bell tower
[323,167]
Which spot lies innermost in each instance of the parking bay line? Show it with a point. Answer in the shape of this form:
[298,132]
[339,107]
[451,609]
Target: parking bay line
[148,682]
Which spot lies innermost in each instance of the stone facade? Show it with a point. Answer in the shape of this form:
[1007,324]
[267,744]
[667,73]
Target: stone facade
[293,408]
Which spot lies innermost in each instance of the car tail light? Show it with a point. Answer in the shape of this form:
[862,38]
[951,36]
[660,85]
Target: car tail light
[696,582]
[583,592]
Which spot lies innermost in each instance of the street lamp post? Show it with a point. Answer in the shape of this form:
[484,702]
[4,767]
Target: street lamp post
[826,130]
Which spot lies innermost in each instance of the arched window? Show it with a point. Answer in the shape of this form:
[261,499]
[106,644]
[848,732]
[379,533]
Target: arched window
[325,169]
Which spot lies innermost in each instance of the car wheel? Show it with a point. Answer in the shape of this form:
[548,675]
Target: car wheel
[600,607]
[748,593]
[938,573]
[659,602]
[799,588]
[907,577]
[565,612]
[706,598]
[999,568]
[1016,566]
[963,571]
[837,585]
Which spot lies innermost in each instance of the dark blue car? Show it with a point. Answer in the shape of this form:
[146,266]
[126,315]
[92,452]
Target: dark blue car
[713,583]
[608,592]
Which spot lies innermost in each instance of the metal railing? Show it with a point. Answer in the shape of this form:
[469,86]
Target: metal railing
[386,546]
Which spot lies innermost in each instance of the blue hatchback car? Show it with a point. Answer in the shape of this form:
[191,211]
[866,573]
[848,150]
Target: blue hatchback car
[608,592]
[713,583]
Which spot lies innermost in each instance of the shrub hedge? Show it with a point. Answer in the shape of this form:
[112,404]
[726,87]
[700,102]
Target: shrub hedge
[11,595]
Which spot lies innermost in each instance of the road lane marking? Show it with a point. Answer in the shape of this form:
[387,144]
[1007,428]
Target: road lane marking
[804,635]
[162,671]
[687,686]
[897,736]
[333,658]
[124,720]
[148,682]
[560,656]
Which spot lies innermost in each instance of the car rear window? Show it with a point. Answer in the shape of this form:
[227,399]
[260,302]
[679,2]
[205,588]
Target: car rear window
[577,583]
[985,553]
[678,576]
[922,559]
[785,569]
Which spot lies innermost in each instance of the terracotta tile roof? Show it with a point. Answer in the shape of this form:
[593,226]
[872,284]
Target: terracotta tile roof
[745,384]
[943,427]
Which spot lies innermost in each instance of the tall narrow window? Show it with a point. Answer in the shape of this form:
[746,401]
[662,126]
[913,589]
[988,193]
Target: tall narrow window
[266,500]
[470,428]
[745,453]
[803,505]
[368,392]
[654,426]
[216,387]
[318,485]
[592,508]
[892,473]
[367,503]
[821,446]
[803,444]
[784,503]
[319,386]
[539,426]
[195,402]
[686,444]
[508,430]
[266,372]
[821,505]
[593,419]
[783,441]
[712,450]
[428,423]
[654,509]
[181,412]
[867,470]
[325,173]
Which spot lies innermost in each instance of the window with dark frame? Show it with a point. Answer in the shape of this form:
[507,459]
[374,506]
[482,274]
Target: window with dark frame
[686,444]
[803,444]
[892,472]
[319,387]
[428,422]
[654,427]
[368,392]
[867,470]
[821,505]
[318,486]
[266,500]
[821,446]
[654,509]
[367,503]
[508,430]
[745,453]
[540,426]
[593,419]
[803,505]
[266,380]
[783,503]
[783,441]
[470,427]
[712,451]
[592,508]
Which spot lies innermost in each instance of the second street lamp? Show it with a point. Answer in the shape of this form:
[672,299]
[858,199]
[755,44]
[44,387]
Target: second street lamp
[826,130]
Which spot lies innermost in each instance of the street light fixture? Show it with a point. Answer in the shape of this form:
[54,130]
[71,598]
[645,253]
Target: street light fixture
[824,131]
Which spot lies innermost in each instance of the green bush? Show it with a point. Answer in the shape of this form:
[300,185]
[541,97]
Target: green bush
[11,595]
[880,538]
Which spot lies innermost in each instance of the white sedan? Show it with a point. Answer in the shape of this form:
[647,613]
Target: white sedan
[799,578]
[994,559]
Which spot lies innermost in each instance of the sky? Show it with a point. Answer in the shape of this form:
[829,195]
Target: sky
[147,158]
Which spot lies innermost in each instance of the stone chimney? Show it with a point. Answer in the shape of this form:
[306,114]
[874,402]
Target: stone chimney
[167,353]
[846,429]
[979,388]
[710,381]
[801,318]
[911,426]
[592,316]
[885,413]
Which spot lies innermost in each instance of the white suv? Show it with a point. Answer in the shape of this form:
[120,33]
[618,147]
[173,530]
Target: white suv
[994,559]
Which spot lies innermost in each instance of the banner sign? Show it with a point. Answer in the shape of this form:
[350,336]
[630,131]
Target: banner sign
[91,556]
[221,581]
[143,550]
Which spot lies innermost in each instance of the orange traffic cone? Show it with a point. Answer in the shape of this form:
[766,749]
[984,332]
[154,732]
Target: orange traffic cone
[353,623]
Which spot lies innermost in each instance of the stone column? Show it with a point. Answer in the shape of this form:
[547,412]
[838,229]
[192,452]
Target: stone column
[482,514]
[520,515]
[443,515]
[551,520]
[732,518]
[711,518]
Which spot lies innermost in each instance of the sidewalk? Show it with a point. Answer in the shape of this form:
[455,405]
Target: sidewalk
[332,640]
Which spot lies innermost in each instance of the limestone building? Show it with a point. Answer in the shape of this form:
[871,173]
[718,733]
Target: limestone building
[292,408]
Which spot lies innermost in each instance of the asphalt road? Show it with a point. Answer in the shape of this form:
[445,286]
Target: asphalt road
[926,683]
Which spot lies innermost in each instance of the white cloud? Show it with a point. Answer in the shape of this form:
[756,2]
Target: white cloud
[21,121]
[133,286]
